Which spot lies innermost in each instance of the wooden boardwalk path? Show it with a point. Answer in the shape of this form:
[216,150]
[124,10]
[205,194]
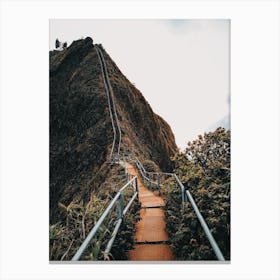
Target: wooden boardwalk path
[151,235]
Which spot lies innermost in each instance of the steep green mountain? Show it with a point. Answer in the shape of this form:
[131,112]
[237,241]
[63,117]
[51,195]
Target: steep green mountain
[81,132]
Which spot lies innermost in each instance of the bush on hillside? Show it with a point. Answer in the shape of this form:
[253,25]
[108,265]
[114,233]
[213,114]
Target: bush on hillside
[204,169]
[80,216]
[150,166]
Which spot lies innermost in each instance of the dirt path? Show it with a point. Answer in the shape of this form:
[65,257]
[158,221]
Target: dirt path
[151,228]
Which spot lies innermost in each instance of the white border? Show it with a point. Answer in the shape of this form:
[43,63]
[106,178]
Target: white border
[255,138]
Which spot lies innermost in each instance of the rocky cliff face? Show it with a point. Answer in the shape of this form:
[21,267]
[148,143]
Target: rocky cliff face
[81,133]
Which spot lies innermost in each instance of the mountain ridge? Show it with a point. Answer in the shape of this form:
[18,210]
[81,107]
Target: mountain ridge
[80,127]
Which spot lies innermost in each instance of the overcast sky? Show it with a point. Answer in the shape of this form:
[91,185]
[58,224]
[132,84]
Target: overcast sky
[180,66]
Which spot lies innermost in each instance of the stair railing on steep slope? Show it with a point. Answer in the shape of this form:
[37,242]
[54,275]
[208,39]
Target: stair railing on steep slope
[186,197]
[112,107]
[145,175]
[109,102]
[133,182]
[185,194]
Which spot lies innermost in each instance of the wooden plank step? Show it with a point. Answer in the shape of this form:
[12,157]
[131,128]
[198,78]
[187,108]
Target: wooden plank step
[148,252]
[152,226]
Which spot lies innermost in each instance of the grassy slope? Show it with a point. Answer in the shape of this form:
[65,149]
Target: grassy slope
[80,216]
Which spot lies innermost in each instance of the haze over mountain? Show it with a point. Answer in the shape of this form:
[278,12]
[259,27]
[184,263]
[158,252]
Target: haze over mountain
[81,133]
[224,122]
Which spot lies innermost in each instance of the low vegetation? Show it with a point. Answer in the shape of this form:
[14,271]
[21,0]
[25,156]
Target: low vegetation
[204,169]
[79,218]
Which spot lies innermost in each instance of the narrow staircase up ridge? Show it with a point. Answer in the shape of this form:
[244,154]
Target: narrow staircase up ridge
[151,236]
[151,227]
[152,242]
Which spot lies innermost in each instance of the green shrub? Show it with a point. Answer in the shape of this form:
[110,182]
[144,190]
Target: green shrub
[204,169]
[150,166]
[79,218]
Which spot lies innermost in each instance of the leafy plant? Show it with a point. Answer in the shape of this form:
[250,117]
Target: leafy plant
[150,166]
[80,217]
[204,169]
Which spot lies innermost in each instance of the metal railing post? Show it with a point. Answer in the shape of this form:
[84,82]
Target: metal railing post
[183,194]
[125,170]
[120,200]
[136,187]
[158,182]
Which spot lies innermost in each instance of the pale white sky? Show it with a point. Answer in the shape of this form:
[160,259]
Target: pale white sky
[180,66]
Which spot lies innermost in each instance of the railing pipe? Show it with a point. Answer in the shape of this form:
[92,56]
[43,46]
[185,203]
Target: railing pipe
[183,194]
[141,171]
[129,204]
[136,186]
[94,229]
[110,93]
[128,183]
[101,219]
[208,233]
[163,173]
[116,229]
[120,200]
[108,96]
[113,237]
[141,166]
[149,180]
[186,195]
[158,181]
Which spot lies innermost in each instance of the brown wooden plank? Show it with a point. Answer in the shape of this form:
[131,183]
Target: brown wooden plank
[154,252]
[150,228]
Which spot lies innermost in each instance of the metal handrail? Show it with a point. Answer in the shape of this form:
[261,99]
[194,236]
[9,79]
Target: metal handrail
[205,227]
[186,195]
[144,172]
[162,173]
[109,91]
[183,193]
[115,231]
[108,97]
[122,212]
